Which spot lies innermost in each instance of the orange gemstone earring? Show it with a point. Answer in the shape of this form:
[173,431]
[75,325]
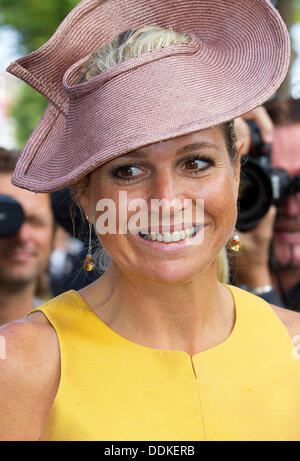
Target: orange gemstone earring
[89,263]
[235,244]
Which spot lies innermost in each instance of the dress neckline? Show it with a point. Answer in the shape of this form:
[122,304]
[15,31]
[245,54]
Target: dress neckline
[129,343]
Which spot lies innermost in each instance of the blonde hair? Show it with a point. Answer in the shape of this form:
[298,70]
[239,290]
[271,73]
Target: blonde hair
[127,45]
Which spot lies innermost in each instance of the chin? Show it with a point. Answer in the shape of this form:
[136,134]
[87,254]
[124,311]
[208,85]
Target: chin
[169,266]
[170,273]
[287,255]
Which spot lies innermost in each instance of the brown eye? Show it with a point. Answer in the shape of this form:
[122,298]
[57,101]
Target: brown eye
[196,164]
[126,172]
[192,165]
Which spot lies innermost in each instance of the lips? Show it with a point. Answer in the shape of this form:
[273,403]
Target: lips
[169,247]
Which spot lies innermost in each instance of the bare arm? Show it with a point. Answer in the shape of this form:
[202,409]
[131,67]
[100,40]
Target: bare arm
[290,319]
[29,377]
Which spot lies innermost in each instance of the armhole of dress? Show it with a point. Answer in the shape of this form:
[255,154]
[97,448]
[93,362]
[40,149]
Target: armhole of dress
[267,307]
[61,358]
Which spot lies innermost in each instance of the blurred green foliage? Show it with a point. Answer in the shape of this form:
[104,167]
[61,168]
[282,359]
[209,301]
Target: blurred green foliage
[296,11]
[36,21]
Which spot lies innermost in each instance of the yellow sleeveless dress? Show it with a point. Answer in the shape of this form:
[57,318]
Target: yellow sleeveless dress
[112,389]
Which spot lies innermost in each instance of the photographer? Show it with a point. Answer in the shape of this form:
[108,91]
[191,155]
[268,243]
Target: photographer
[25,247]
[269,264]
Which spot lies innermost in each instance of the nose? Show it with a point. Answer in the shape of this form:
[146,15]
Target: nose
[166,194]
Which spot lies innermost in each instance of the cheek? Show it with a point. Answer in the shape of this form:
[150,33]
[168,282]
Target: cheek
[220,199]
[44,239]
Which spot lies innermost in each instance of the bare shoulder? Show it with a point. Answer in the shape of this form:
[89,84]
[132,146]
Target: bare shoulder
[29,376]
[31,339]
[289,318]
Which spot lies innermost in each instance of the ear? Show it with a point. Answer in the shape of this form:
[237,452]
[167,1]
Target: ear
[80,191]
[243,136]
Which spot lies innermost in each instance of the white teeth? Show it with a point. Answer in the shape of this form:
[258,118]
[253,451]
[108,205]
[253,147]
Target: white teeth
[170,236]
[176,236]
[167,237]
[182,234]
[189,232]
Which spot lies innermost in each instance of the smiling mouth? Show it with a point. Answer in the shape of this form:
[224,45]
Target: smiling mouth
[169,237]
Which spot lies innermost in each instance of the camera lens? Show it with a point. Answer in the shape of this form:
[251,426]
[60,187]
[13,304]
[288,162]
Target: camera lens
[11,216]
[255,196]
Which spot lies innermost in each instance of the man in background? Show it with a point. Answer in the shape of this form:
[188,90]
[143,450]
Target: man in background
[24,256]
[286,239]
[276,279]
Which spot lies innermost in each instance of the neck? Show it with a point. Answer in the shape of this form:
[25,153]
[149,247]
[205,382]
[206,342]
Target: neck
[15,301]
[190,316]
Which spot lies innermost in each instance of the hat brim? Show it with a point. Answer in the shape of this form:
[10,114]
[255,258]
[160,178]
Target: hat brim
[249,39]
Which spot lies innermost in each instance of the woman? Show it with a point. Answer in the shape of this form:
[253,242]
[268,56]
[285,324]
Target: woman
[160,347]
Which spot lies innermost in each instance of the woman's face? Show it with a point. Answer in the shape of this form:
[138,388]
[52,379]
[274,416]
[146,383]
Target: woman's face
[193,170]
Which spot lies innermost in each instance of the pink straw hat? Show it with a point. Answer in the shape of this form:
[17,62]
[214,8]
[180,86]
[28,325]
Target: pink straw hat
[238,57]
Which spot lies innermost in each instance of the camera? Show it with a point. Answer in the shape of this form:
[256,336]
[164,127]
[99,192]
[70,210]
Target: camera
[11,216]
[261,185]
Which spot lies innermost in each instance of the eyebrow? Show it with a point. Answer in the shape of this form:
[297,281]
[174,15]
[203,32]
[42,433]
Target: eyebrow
[184,150]
[196,146]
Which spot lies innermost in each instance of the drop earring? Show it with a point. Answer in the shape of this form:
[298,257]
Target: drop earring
[89,263]
[235,244]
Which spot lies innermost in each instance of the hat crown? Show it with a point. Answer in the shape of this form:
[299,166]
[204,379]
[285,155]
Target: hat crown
[93,23]
[74,89]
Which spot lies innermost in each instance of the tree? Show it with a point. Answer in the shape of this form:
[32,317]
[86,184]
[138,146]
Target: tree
[36,21]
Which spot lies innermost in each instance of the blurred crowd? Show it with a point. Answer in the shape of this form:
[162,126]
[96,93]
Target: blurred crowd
[40,255]
[44,238]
